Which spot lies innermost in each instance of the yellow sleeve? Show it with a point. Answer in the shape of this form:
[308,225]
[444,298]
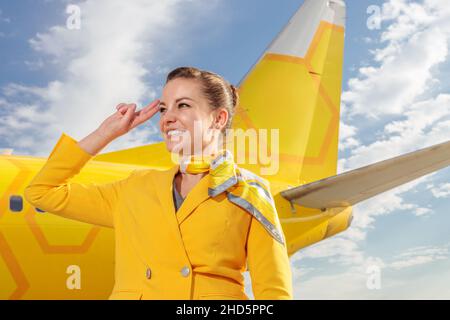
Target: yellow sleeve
[269,266]
[51,191]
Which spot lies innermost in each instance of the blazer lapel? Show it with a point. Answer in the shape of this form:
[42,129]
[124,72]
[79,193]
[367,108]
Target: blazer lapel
[162,181]
[194,198]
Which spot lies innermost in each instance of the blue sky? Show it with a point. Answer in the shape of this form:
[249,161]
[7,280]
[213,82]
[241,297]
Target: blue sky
[54,80]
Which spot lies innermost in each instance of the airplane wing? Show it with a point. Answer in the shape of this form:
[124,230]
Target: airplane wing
[354,186]
[152,155]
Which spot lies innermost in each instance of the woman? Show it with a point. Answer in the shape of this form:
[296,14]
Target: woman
[183,233]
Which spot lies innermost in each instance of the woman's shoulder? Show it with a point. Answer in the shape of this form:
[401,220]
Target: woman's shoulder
[138,178]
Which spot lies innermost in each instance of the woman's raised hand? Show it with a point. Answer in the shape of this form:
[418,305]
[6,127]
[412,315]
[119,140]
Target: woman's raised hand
[126,118]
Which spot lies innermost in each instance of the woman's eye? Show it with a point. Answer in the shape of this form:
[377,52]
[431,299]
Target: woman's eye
[162,109]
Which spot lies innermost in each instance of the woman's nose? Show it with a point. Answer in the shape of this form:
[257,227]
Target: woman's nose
[168,117]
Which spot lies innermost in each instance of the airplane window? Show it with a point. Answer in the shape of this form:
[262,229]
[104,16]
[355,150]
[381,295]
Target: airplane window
[15,203]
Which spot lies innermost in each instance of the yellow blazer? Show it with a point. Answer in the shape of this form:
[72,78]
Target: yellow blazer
[198,252]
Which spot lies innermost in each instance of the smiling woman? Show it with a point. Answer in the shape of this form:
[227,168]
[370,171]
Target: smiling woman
[197,105]
[196,110]
[226,223]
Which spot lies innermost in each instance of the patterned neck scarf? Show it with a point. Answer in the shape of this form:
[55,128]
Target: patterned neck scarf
[243,188]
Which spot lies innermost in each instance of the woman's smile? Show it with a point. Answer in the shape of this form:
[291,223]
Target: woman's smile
[175,132]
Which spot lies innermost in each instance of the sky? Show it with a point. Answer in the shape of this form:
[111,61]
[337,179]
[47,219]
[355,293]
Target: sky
[395,99]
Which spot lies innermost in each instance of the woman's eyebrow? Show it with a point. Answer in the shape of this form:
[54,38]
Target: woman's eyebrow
[162,102]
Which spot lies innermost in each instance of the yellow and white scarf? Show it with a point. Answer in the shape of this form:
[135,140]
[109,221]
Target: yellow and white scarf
[243,188]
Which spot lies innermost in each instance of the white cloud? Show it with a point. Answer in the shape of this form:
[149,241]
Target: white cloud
[35,65]
[423,211]
[416,42]
[441,191]
[352,283]
[400,79]
[394,284]
[408,18]
[347,136]
[337,250]
[110,59]
[420,255]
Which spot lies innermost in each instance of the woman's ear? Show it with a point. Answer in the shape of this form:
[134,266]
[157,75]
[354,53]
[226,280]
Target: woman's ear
[221,118]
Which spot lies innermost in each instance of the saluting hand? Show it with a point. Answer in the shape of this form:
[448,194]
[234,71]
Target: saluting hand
[121,122]
[127,118]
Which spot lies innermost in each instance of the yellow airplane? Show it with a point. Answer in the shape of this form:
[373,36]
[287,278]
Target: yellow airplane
[295,86]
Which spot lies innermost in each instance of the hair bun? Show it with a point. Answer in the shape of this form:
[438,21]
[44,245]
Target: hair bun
[234,94]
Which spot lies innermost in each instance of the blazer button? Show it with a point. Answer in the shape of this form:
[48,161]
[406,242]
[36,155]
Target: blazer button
[148,273]
[185,271]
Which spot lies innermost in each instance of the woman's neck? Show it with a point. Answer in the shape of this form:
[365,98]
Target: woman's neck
[186,181]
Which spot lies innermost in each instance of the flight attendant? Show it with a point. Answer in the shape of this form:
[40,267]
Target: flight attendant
[188,232]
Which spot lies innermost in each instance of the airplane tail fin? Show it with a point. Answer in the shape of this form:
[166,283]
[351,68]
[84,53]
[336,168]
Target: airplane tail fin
[295,87]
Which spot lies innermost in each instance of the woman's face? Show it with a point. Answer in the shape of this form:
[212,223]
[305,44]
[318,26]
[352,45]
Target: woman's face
[187,123]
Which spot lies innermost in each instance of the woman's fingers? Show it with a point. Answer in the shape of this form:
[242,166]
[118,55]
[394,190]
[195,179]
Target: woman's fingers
[146,113]
[151,106]
[129,113]
[122,108]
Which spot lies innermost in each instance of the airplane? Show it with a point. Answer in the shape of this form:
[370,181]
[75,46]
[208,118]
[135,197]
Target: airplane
[301,72]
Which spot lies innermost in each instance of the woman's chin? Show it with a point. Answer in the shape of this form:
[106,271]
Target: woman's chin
[175,148]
